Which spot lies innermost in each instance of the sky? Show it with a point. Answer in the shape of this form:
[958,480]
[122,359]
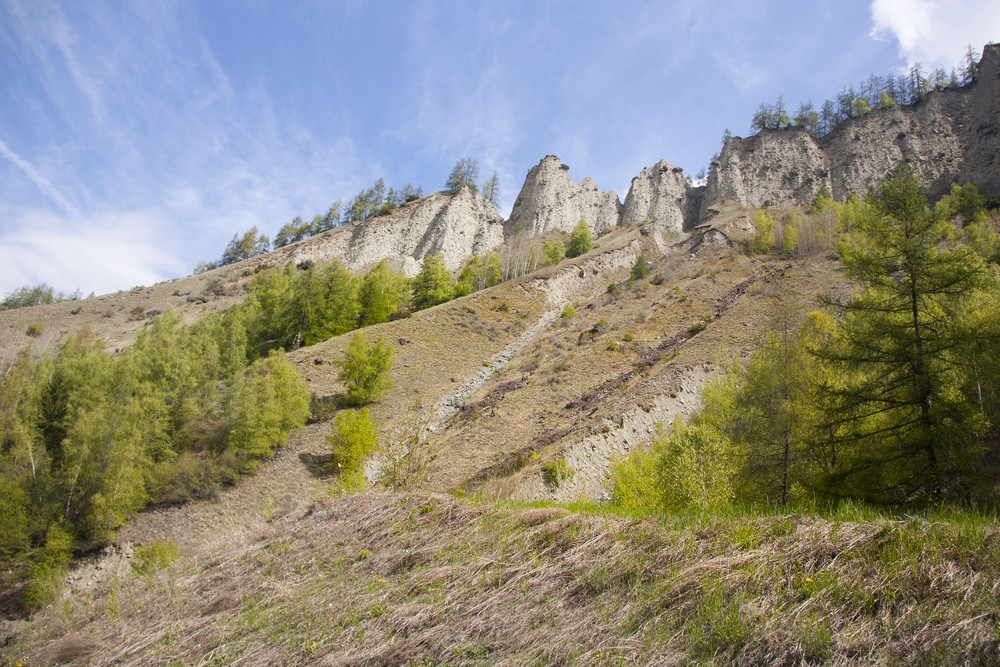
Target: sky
[137,137]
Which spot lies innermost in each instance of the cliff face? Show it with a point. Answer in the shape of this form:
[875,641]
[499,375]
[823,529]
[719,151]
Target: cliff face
[982,163]
[662,195]
[550,200]
[771,169]
[458,226]
[954,135]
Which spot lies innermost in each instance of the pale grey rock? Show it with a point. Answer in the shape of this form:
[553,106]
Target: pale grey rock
[551,201]
[982,163]
[662,195]
[458,226]
[771,169]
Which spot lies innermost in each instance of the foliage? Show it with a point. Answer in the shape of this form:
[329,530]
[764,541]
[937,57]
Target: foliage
[34,295]
[364,371]
[580,241]
[269,400]
[155,556]
[433,285]
[353,438]
[244,246]
[764,238]
[463,174]
[569,310]
[479,273]
[491,190]
[873,93]
[49,567]
[554,252]
[901,425]
[557,472]
[383,293]
[640,269]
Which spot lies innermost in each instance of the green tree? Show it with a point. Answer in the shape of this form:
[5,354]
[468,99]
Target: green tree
[268,402]
[894,407]
[464,173]
[640,269]
[764,238]
[353,438]
[382,294]
[364,371]
[491,190]
[241,247]
[433,285]
[554,252]
[580,240]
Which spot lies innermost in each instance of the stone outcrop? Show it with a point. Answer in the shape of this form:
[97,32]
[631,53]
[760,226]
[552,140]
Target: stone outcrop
[771,169]
[457,226]
[953,135]
[663,196]
[551,201]
[982,162]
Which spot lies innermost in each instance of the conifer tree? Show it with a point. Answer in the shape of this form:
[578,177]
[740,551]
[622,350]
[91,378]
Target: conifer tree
[433,285]
[580,240]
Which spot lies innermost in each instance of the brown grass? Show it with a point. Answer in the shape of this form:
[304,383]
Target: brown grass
[380,579]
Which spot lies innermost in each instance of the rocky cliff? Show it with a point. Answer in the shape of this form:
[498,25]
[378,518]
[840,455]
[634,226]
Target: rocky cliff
[457,226]
[551,201]
[953,135]
[662,195]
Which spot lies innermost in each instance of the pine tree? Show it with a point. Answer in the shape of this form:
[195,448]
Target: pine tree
[433,285]
[895,409]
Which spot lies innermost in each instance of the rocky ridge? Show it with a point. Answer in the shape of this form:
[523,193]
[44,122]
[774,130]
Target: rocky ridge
[551,201]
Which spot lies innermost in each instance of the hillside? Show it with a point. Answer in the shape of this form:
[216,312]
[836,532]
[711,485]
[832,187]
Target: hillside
[486,536]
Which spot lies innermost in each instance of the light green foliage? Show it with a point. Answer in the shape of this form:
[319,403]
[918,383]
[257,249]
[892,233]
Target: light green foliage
[323,303]
[569,310]
[694,467]
[241,247]
[966,201]
[790,236]
[155,556]
[353,439]
[902,426]
[269,400]
[383,293]
[433,285]
[556,473]
[981,237]
[364,371]
[479,273]
[823,200]
[640,269]
[554,251]
[580,241]
[49,567]
[885,101]
[764,238]
[634,482]
[14,526]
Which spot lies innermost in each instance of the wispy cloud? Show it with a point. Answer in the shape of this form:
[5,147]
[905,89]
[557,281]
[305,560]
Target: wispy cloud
[42,183]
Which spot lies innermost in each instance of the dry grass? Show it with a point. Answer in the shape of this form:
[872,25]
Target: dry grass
[382,579]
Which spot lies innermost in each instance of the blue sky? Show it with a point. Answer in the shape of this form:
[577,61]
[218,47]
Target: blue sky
[137,137]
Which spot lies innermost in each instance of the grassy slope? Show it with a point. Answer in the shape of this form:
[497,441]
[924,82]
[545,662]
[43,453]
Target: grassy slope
[390,579]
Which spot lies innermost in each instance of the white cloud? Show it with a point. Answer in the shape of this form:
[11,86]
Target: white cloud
[98,253]
[936,33]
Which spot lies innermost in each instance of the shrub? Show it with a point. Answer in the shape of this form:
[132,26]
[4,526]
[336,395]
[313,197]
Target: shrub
[556,473]
[353,439]
[554,252]
[569,310]
[614,289]
[364,371]
[408,458]
[764,239]
[33,330]
[49,568]
[640,269]
[580,241]
[155,556]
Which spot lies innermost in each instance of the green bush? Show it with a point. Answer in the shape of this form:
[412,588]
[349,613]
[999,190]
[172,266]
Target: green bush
[554,252]
[155,556]
[352,440]
[556,473]
[569,310]
[640,269]
[580,241]
[49,568]
[364,371]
